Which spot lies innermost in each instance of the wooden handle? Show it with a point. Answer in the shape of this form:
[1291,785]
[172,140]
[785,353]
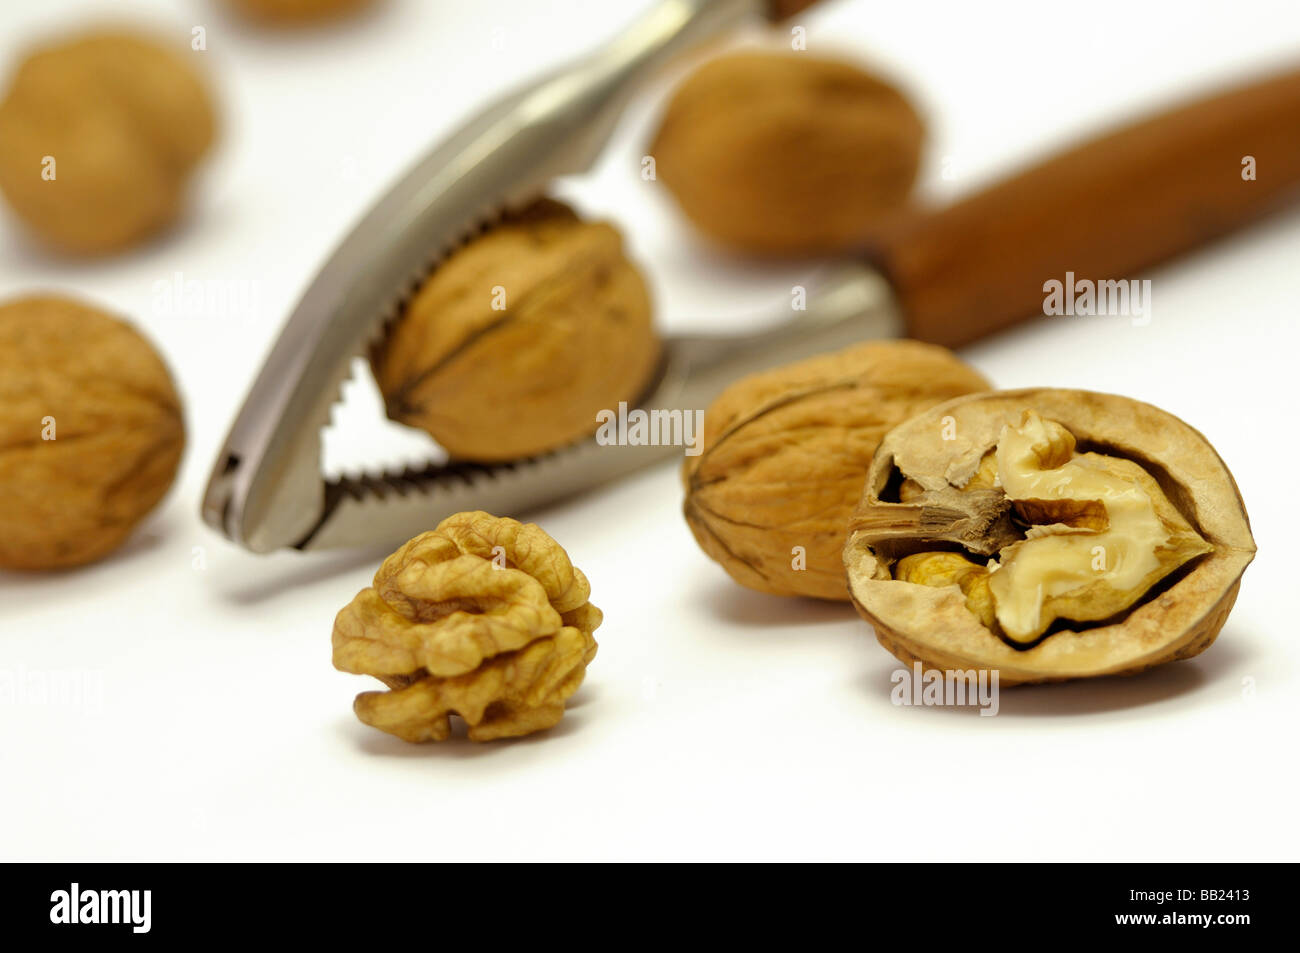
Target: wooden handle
[1104,210]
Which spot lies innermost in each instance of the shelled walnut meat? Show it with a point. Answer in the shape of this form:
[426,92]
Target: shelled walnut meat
[520,338]
[98,136]
[484,618]
[91,432]
[785,453]
[787,153]
[1047,534]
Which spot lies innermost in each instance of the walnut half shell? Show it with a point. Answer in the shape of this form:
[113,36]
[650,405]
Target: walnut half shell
[1047,534]
[482,617]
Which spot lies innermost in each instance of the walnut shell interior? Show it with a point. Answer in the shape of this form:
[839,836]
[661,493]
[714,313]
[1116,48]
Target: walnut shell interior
[940,450]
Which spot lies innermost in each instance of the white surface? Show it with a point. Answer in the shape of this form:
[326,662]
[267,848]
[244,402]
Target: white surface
[716,722]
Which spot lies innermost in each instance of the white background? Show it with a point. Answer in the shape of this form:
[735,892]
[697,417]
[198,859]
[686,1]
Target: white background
[715,722]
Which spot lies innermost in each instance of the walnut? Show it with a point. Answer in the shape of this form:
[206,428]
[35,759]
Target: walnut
[787,153]
[97,137]
[91,432]
[951,569]
[288,12]
[519,339]
[785,453]
[1111,539]
[484,618]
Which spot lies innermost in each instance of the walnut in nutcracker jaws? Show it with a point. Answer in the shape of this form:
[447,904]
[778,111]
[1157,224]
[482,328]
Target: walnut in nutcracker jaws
[519,339]
[482,617]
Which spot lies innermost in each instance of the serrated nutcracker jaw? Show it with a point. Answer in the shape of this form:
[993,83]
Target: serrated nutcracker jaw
[851,305]
[300,508]
[266,491]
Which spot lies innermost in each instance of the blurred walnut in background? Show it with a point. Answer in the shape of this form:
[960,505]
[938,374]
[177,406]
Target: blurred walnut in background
[285,12]
[787,153]
[91,432]
[516,341]
[98,135]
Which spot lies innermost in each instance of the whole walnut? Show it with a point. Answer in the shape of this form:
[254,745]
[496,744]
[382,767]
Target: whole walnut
[786,451]
[484,618]
[91,432]
[787,153]
[517,341]
[98,135]
[286,12]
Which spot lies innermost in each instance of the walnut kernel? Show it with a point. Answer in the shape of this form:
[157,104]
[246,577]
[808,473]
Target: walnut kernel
[1112,538]
[482,617]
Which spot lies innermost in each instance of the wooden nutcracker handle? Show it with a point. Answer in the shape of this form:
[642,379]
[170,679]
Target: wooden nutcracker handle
[1105,210]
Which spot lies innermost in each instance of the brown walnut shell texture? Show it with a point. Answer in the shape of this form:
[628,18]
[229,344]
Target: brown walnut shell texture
[482,617]
[785,453]
[575,337]
[1178,621]
[125,119]
[118,431]
[787,153]
[293,12]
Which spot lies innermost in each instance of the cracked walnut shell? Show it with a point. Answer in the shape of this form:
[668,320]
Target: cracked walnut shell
[785,453]
[1048,534]
[787,153]
[484,618]
[91,432]
[519,339]
[98,135]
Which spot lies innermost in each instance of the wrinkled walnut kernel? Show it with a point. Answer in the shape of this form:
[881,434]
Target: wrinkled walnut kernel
[484,618]
[1099,534]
